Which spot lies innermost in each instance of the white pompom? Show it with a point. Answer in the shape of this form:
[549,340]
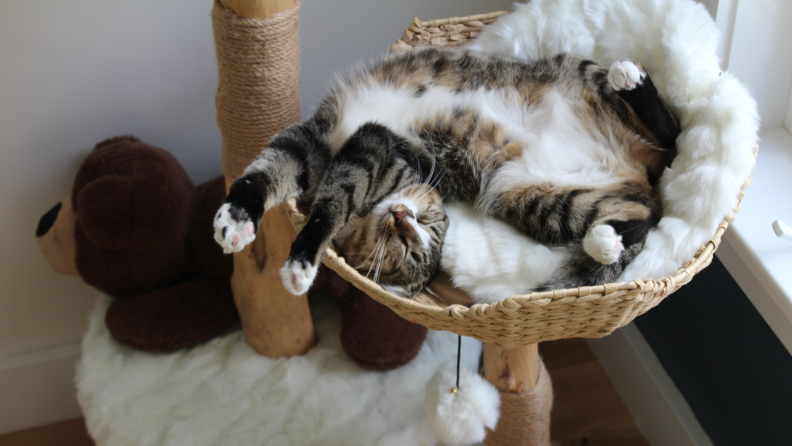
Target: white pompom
[459,418]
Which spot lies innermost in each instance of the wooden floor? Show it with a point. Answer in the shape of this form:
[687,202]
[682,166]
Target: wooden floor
[65,433]
[587,411]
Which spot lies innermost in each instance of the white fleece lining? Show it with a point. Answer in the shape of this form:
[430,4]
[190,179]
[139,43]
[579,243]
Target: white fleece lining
[676,41]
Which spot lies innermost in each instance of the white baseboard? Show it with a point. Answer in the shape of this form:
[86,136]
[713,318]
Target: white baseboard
[37,387]
[658,409]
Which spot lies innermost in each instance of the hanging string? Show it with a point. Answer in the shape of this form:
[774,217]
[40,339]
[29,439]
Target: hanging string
[459,356]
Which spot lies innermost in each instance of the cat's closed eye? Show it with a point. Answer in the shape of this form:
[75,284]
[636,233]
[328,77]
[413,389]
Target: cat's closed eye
[430,217]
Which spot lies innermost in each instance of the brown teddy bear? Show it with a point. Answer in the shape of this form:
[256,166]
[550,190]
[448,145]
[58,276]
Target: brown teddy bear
[137,229]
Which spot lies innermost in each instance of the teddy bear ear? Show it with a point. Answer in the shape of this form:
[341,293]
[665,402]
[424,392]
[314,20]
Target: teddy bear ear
[105,213]
[121,141]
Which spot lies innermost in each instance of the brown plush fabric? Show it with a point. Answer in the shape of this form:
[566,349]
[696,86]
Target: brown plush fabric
[525,417]
[168,319]
[373,336]
[133,203]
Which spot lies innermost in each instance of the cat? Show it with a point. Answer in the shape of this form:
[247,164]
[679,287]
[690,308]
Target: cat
[562,149]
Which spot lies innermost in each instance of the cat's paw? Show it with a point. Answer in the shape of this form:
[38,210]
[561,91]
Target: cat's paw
[233,228]
[603,244]
[298,275]
[625,75]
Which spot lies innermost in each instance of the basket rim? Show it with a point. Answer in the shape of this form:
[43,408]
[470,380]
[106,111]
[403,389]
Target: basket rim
[457,20]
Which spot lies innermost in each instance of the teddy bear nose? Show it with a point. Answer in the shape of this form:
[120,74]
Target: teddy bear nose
[47,220]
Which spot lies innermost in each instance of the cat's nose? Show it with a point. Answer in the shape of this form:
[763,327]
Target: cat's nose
[400,211]
[399,216]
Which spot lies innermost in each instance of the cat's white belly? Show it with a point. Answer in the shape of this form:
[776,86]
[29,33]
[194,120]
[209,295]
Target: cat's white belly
[558,148]
[490,259]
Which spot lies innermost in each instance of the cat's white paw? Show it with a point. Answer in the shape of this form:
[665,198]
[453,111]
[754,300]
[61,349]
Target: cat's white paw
[233,229]
[297,276]
[625,75]
[603,244]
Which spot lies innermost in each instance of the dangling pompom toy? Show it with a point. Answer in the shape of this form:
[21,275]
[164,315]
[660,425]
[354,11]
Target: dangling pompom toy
[460,406]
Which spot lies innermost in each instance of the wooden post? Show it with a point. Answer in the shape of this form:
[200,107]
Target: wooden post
[276,323]
[514,370]
[257,9]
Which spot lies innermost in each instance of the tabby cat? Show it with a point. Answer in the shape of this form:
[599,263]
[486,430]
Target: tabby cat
[564,150]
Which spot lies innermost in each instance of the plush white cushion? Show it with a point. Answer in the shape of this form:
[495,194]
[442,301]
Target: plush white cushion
[223,393]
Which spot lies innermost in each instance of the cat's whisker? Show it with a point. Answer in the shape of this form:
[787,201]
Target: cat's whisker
[376,245]
[379,243]
[422,187]
[379,266]
[430,187]
[429,190]
[378,252]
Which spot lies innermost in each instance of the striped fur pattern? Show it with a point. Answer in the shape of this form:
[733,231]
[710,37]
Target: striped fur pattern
[566,151]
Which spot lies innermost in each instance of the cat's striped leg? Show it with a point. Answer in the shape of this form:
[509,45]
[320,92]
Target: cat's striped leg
[605,221]
[372,164]
[289,167]
[630,81]
[628,91]
[552,214]
[622,219]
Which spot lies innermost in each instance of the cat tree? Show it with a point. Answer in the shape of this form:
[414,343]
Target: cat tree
[260,58]
[258,96]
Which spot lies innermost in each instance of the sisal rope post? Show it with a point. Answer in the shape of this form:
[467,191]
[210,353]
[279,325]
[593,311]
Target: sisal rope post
[258,95]
[526,394]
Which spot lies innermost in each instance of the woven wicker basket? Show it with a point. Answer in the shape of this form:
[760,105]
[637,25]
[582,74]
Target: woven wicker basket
[586,312]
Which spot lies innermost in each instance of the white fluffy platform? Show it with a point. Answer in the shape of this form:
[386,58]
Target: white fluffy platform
[222,393]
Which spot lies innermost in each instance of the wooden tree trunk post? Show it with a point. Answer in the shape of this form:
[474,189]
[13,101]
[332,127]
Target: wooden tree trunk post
[515,370]
[258,96]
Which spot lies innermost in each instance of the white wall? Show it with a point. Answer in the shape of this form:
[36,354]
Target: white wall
[73,73]
[760,56]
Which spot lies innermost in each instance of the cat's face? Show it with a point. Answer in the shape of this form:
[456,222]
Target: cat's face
[398,244]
